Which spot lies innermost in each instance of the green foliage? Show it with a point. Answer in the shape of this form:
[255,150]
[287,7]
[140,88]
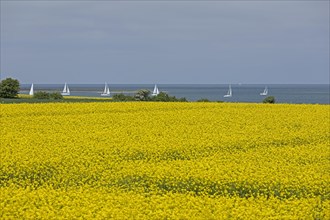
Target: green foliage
[164,97]
[41,95]
[142,95]
[269,99]
[56,95]
[122,98]
[161,97]
[46,95]
[9,88]
[183,99]
[203,100]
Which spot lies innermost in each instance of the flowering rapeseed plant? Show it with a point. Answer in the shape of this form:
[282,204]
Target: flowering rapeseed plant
[164,160]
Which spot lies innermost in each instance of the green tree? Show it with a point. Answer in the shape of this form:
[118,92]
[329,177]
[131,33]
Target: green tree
[9,88]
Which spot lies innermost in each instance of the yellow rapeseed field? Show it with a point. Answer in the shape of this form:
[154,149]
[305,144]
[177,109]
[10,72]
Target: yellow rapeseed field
[144,160]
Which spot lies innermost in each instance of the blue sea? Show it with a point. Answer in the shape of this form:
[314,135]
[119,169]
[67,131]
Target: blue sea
[283,93]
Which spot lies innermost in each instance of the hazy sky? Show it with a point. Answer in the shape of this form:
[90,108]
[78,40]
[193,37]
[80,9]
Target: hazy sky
[165,41]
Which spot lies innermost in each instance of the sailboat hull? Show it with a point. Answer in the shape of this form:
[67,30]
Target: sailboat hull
[65,93]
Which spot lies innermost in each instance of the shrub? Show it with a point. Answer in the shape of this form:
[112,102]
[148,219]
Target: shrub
[183,99]
[269,99]
[161,97]
[203,100]
[142,95]
[41,95]
[9,88]
[46,95]
[122,98]
[164,97]
[56,95]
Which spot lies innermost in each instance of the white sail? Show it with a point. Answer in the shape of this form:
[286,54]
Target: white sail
[156,91]
[106,91]
[66,90]
[265,92]
[31,90]
[229,93]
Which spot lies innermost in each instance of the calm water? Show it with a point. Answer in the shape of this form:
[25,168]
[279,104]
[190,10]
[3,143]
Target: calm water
[241,93]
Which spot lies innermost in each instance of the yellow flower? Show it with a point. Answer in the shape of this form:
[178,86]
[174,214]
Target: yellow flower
[164,160]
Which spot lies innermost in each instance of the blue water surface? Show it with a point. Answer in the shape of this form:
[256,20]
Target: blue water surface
[283,93]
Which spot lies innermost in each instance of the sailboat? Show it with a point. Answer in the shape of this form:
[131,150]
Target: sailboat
[156,91]
[66,90]
[265,92]
[31,90]
[106,91]
[229,93]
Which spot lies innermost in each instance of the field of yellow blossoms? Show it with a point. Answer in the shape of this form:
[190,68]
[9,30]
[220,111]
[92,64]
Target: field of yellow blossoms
[164,161]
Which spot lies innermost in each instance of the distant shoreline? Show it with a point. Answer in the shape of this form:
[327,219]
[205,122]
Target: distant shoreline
[250,93]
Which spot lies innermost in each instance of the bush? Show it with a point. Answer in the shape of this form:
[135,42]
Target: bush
[164,97]
[9,88]
[269,99]
[183,99]
[46,95]
[122,98]
[203,100]
[56,95]
[142,95]
[41,95]
[161,97]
